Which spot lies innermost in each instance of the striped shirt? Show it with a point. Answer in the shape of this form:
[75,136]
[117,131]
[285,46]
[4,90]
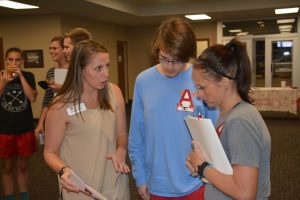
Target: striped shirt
[49,94]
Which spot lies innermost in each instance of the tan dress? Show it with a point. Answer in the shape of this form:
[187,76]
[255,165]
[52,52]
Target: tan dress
[84,148]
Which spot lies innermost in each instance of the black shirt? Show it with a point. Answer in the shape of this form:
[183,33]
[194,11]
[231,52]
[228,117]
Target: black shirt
[15,108]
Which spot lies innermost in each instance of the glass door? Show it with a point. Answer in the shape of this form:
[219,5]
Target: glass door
[258,66]
[272,58]
[279,62]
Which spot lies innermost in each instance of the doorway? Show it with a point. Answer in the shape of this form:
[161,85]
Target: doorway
[123,68]
[258,72]
[272,58]
[280,62]
[1,54]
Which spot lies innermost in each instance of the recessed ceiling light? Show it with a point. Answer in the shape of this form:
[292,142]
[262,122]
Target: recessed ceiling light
[286,10]
[16,5]
[242,33]
[235,30]
[285,21]
[198,17]
[285,26]
[285,30]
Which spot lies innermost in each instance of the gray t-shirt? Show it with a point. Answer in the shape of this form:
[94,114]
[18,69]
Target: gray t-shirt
[246,141]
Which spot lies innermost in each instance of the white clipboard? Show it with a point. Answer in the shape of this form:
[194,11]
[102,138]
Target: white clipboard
[203,131]
[60,75]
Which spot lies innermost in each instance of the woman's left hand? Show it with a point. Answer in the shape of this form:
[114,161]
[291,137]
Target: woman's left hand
[67,183]
[194,159]
[118,159]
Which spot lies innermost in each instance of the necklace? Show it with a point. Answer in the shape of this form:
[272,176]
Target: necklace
[232,108]
[236,104]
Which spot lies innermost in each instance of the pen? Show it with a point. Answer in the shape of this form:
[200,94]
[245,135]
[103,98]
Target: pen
[200,116]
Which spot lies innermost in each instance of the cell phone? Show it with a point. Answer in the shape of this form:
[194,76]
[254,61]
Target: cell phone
[43,84]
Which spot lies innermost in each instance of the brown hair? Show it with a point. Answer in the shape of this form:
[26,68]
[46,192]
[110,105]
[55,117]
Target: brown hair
[59,39]
[72,88]
[78,34]
[175,37]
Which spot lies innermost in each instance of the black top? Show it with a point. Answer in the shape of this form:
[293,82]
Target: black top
[15,108]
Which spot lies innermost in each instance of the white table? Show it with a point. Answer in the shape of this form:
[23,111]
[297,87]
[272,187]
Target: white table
[282,99]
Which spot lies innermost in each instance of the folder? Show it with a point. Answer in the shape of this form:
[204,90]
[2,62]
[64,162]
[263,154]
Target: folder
[60,75]
[203,131]
[85,188]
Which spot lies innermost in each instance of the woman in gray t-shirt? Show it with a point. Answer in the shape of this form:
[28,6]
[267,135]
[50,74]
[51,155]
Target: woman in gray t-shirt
[222,74]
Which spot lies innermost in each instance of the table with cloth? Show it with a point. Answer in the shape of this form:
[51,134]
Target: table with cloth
[283,99]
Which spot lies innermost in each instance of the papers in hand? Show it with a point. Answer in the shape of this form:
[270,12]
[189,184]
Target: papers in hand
[84,188]
[203,131]
[60,75]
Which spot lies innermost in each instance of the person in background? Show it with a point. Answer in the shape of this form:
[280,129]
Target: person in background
[61,50]
[72,38]
[222,75]
[86,127]
[164,95]
[56,51]
[17,139]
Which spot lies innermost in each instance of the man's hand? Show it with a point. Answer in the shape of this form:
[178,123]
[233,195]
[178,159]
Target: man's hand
[143,192]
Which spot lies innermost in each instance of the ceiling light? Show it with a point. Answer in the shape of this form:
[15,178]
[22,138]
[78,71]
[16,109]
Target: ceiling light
[198,17]
[16,5]
[235,30]
[285,21]
[285,30]
[285,26]
[242,33]
[286,10]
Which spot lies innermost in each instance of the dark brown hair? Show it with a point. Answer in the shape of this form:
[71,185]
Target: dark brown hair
[175,37]
[13,49]
[230,61]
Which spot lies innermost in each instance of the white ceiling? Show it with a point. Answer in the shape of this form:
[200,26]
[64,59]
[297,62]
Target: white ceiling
[138,12]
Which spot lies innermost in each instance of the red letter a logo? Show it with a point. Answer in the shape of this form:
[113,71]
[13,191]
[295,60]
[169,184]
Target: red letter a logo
[186,102]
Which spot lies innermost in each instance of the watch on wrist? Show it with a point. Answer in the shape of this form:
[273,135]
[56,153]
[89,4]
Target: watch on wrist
[201,169]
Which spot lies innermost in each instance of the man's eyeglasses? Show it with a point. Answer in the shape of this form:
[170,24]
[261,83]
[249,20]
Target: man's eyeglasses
[167,61]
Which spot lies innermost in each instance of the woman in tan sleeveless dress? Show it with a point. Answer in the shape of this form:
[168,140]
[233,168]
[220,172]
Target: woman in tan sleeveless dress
[86,128]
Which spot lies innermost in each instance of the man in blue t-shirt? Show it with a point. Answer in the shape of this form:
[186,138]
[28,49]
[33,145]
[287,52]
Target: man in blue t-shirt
[164,95]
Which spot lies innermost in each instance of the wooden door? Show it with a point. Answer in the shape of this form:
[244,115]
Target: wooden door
[1,54]
[123,68]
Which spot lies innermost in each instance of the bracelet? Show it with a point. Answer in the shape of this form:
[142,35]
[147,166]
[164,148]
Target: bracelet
[62,170]
[201,169]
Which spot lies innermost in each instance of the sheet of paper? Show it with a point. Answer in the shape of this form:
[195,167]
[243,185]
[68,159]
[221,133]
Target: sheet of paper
[86,189]
[203,131]
[60,75]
